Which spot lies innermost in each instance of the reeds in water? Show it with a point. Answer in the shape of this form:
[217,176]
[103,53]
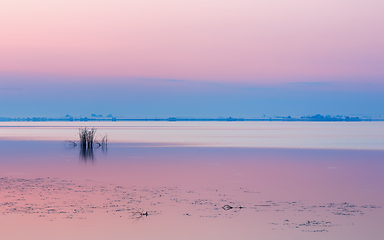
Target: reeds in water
[87,137]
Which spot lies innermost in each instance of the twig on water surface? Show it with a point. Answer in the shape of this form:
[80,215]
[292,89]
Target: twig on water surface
[138,214]
[74,144]
[229,207]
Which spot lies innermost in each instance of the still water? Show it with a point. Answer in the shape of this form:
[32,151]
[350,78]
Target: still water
[164,180]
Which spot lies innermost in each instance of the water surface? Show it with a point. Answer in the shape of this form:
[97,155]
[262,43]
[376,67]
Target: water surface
[193,181]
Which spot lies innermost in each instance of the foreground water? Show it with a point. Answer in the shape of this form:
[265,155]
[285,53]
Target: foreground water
[193,181]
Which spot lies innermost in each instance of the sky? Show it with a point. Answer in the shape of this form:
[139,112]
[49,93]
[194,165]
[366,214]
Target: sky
[148,58]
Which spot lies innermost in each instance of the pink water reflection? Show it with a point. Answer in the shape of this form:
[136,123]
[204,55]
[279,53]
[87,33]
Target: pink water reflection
[273,185]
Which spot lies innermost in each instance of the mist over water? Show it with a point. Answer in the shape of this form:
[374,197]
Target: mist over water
[293,135]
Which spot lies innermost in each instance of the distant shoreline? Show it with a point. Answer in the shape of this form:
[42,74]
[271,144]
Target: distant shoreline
[172,119]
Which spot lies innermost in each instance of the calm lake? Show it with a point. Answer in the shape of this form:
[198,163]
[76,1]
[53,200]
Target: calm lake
[193,180]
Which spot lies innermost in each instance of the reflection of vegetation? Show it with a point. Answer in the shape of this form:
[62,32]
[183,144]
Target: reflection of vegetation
[86,153]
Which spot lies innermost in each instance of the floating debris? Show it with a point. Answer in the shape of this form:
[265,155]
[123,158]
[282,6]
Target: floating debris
[226,207]
[50,197]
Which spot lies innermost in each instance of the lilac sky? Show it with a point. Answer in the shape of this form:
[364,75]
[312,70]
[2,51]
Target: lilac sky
[151,58]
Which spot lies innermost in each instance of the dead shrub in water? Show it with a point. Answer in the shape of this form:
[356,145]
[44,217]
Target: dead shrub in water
[87,137]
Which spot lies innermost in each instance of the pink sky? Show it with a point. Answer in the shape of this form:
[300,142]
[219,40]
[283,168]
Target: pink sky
[237,41]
